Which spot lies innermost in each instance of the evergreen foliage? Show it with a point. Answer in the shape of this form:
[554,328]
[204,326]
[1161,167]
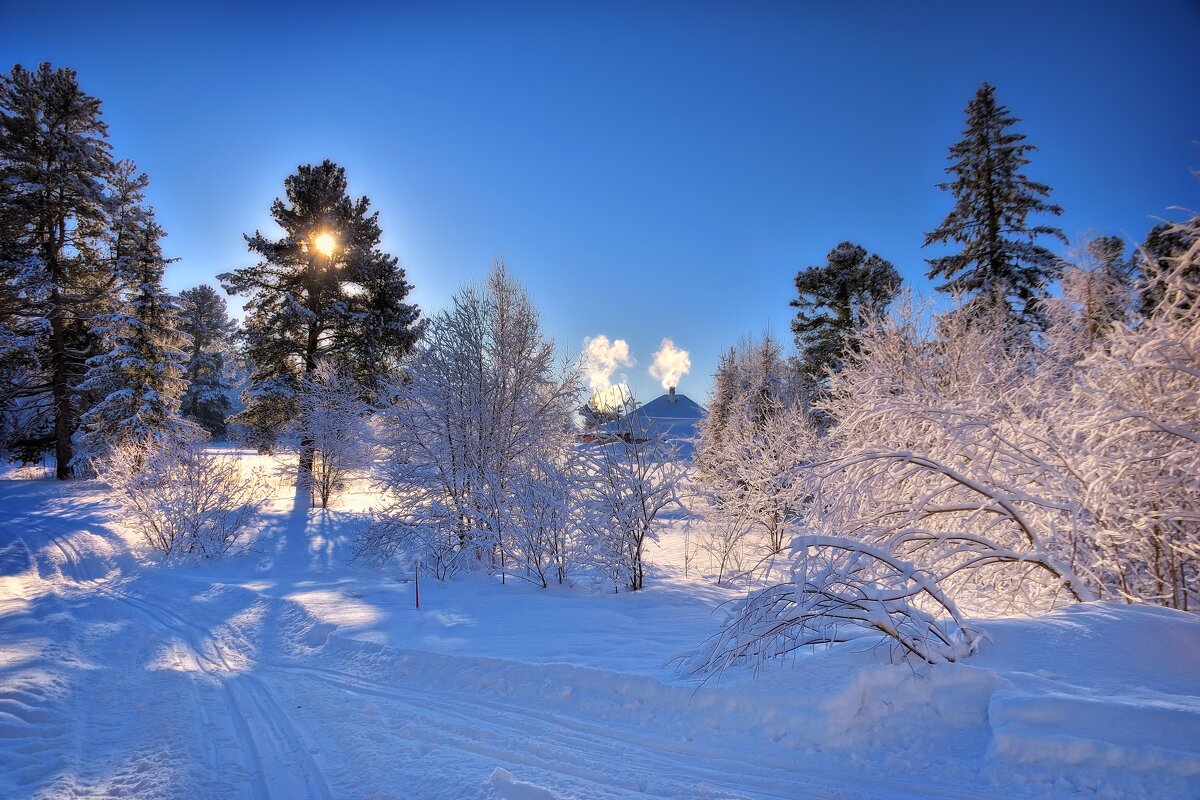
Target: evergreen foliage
[837,299]
[1000,263]
[1100,284]
[54,163]
[1165,243]
[306,305]
[203,319]
[137,378]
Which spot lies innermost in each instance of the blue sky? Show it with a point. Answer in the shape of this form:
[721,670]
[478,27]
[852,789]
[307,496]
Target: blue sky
[649,170]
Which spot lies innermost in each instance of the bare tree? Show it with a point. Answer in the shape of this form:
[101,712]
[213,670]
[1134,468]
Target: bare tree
[482,403]
[949,456]
[754,449]
[840,590]
[631,481]
[187,502]
[1135,412]
[544,513]
[336,421]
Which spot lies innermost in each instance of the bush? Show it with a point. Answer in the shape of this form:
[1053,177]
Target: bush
[185,500]
[840,590]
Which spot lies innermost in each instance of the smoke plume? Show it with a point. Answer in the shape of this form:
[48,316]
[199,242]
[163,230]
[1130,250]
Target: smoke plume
[601,358]
[670,364]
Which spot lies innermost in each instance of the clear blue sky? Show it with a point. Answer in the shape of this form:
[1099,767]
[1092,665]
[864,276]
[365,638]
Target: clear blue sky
[648,169]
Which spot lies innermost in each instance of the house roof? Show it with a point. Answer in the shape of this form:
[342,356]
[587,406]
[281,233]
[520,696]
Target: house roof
[672,415]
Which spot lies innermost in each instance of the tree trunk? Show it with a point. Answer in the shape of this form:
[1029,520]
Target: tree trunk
[304,474]
[59,365]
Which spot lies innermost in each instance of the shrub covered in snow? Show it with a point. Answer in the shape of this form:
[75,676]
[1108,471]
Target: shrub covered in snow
[334,422]
[186,501]
[628,485]
[840,589]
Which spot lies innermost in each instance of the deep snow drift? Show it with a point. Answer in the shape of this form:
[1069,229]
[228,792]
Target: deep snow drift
[288,672]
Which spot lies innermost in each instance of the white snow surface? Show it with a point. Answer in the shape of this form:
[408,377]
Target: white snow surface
[289,672]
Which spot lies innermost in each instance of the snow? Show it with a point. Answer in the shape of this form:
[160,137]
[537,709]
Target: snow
[674,416]
[289,672]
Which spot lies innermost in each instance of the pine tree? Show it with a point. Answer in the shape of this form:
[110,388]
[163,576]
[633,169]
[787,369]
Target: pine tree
[835,300]
[1001,263]
[54,161]
[1165,244]
[324,290]
[138,378]
[203,319]
[1100,284]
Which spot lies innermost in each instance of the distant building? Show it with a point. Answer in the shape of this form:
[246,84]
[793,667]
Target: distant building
[672,416]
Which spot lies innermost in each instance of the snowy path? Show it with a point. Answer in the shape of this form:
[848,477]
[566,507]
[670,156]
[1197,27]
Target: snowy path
[290,674]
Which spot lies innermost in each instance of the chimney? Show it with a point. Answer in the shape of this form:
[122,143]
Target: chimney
[671,397]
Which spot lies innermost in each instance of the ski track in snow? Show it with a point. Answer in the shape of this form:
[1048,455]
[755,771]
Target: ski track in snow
[120,679]
[276,758]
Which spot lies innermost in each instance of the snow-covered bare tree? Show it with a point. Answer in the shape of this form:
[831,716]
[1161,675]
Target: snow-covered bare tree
[336,419]
[840,590]
[754,451]
[723,536]
[948,455]
[1097,292]
[203,319]
[481,403]
[544,511]
[1135,413]
[631,482]
[187,502]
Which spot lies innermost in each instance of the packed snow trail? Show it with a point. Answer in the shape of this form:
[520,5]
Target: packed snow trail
[289,673]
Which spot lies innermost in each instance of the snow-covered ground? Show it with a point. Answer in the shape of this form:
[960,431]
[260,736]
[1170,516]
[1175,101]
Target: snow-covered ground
[288,672]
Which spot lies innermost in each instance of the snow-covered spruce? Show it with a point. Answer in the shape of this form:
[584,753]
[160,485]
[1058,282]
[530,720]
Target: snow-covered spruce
[137,378]
[204,320]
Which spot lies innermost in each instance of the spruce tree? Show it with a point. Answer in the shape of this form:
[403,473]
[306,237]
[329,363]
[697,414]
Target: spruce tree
[1100,283]
[137,379]
[204,320]
[835,300]
[1164,245]
[1001,263]
[54,162]
[323,290]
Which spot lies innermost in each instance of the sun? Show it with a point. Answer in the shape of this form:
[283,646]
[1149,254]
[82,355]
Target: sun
[324,242]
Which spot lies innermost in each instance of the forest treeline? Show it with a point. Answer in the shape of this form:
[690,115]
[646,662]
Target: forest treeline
[905,466]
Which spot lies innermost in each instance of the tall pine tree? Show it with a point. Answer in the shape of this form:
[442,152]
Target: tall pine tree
[137,379]
[1001,263]
[54,163]
[323,290]
[835,300]
[204,320]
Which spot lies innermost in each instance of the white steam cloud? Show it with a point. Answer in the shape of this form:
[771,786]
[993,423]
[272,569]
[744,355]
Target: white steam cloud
[601,358]
[670,364]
